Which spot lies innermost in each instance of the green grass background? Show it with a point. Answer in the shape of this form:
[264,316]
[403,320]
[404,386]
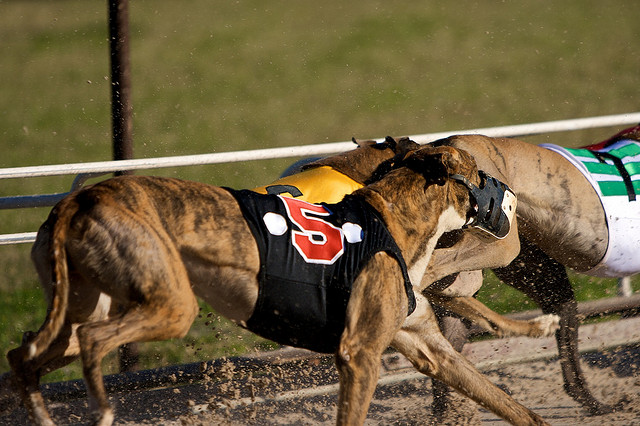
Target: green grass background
[221,76]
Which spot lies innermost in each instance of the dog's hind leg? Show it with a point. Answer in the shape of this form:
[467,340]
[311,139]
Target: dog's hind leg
[26,380]
[25,377]
[26,372]
[139,267]
[377,307]
[167,316]
[492,322]
[422,343]
[547,283]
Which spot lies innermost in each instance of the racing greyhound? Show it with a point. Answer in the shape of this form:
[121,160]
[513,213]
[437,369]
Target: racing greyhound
[150,245]
[571,228]
[576,209]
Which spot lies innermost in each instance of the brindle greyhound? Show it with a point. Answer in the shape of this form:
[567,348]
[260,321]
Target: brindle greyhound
[554,222]
[561,224]
[150,245]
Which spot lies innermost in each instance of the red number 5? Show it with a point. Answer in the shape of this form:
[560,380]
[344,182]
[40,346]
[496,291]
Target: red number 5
[318,241]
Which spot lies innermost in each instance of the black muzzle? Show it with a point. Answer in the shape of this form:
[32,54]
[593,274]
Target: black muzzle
[495,205]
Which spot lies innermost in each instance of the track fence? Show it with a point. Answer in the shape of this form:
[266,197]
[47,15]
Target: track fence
[88,170]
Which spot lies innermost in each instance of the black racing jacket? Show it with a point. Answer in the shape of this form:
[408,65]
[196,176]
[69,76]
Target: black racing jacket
[310,254]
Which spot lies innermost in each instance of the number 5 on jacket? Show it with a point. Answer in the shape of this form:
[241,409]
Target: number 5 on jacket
[318,241]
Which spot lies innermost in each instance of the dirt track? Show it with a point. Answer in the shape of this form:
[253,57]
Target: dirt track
[306,394]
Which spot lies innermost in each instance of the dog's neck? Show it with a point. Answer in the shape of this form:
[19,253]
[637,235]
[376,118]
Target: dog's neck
[417,222]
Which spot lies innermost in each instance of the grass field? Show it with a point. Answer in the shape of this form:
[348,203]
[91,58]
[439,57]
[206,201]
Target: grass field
[221,76]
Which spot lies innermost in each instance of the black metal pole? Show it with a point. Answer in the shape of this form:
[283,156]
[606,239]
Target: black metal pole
[121,116]
[121,108]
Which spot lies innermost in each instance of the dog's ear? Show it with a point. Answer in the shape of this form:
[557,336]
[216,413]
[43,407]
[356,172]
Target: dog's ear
[364,143]
[400,146]
[391,142]
[435,164]
[405,145]
[388,142]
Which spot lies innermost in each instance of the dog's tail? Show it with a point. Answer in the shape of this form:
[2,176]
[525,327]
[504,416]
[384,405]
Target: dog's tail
[60,219]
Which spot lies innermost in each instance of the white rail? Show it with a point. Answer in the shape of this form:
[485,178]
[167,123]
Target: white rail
[294,151]
[21,237]
[298,151]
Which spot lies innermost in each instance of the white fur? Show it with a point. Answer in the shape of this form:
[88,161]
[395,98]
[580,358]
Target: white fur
[449,220]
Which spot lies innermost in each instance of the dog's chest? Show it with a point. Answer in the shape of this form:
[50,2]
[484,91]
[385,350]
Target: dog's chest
[310,255]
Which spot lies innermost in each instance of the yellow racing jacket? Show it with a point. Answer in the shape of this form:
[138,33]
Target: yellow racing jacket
[317,185]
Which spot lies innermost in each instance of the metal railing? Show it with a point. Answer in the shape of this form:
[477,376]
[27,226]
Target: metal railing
[94,169]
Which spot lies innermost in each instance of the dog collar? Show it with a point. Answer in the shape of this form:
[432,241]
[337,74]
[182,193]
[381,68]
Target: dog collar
[495,205]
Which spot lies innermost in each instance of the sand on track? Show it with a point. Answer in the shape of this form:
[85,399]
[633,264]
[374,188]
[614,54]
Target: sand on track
[306,395]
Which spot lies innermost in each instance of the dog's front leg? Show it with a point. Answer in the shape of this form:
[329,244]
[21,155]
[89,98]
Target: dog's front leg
[376,309]
[421,341]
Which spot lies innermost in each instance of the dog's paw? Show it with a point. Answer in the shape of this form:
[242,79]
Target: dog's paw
[545,325]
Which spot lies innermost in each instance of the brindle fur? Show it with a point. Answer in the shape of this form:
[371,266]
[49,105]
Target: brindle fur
[561,224]
[123,261]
